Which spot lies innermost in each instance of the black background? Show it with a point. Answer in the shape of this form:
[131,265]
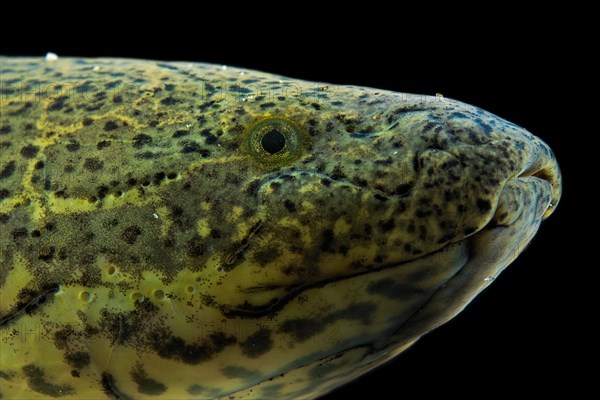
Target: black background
[515,338]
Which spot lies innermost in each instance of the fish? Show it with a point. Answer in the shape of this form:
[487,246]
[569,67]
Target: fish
[198,231]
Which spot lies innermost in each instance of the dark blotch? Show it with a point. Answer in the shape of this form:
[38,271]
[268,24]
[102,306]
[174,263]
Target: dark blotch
[29,151]
[289,205]
[4,193]
[36,380]
[110,126]
[73,146]
[484,205]
[7,170]
[93,164]
[141,140]
[302,329]
[258,343]
[130,234]
[78,359]
[147,385]
[103,144]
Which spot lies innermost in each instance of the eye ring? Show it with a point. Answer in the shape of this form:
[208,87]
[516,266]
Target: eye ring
[274,141]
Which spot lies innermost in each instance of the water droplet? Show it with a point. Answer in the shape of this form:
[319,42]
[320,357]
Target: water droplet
[51,56]
[224,67]
[96,68]
[489,279]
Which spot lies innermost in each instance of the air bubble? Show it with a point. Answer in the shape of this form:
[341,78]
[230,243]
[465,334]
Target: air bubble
[191,289]
[489,279]
[111,270]
[158,294]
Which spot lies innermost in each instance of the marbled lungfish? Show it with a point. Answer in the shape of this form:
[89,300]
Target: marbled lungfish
[191,231]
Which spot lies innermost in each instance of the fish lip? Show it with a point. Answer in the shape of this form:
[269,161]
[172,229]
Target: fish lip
[544,166]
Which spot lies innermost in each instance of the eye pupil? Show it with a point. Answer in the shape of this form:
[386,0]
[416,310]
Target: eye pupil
[273,142]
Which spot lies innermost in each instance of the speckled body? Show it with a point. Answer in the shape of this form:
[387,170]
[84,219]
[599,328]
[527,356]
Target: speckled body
[151,250]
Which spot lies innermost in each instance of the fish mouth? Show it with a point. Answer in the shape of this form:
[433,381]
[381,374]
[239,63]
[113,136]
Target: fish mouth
[532,196]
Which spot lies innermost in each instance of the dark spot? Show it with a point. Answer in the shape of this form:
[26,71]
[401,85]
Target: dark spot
[195,247]
[47,253]
[147,385]
[75,373]
[19,233]
[190,147]
[102,191]
[368,230]
[209,138]
[140,140]
[36,380]
[195,390]
[29,151]
[93,164]
[325,182]
[289,205]
[7,170]
[266,255]
[4,193]
[337,173]
[87,121]
[39,165]
[36,233]
[388,225]
[110,126]
[258,343]
[302,329]
[169,101]
[175,348]
[4,218]
[130,234]
[327,240]
[117,99]
[180,133]
[403,190]
[78,359]
[103,144]
[267,105]
[158,177]
[73,146]
[5,129]
[58,104]
[484,205]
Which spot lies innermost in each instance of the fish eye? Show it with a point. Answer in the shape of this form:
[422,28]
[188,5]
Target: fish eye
[274,141]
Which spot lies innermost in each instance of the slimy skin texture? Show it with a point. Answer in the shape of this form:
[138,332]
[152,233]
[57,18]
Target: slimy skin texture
[190,231]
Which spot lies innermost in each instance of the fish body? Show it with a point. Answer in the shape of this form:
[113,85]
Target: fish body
[184,230]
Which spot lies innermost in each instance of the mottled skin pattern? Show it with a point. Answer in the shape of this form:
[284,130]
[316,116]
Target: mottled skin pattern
[152,248]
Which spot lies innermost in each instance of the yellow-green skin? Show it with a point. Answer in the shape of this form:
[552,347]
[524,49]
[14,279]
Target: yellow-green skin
[152,250]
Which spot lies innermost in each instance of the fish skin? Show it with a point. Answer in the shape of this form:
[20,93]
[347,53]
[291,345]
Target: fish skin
[152,248]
